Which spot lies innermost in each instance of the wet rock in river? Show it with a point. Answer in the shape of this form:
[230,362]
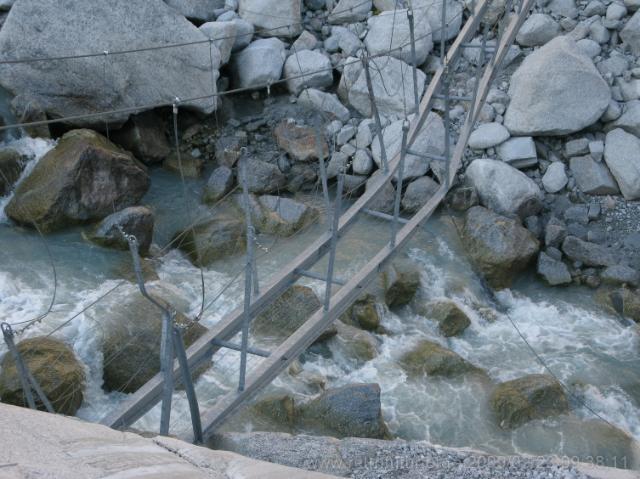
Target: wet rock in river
[219,184]
[355,343]
[623,301]
[212,239]
[363,313]
[143,135]
[56,368]
[498,246]
[84,178]
[521,400]
[135,220]
[433,359]
[400,280]
[452,321]
[350,411]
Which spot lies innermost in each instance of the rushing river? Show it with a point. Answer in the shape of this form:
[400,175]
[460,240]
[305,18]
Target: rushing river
[595,355]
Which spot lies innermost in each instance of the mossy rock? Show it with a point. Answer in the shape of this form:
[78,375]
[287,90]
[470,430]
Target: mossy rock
[452,321]
[11,166]
[356,344]
[521,400]
[363,314]
[623,301]
[84,178]
[280,409]
[54,365]
[434,360]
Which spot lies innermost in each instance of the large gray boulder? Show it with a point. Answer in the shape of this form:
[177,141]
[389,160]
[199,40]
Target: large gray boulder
[589,254]
[537,30]
[592,177]
[307,69]
[280,18]
[54,365]
[554,103]
[390,31]
[84,178]
[630,34]
[258,64]
[430,140]
[622,155]
[350,11]
[503,188]
[530,397]
[388,75]
[201,10]
[350,411]
[499,247]
[51,28]
[223,35]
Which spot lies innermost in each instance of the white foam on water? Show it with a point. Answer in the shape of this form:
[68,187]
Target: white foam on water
[32,148]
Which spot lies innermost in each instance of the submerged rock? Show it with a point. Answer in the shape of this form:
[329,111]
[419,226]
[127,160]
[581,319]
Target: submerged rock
[498,246]
[432,359]
[350,411]
[355,343]
[56,368]
[44,28]
[521,400]
[286,314]
[213,239]
[135,220]
[623,301]
[84,178]
[554,103]
[364,313]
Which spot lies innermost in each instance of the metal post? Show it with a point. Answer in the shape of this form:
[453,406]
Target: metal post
[396,205]
[7,333]
[443,30]
[474,97]
[248,276]
[187,382]
[447,126]
[166,366]
[414,65]
[323,172]
[501,26]
[374,110]
[337,210]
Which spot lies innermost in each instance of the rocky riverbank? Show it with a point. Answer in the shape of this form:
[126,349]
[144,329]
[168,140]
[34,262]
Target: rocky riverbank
[549,183]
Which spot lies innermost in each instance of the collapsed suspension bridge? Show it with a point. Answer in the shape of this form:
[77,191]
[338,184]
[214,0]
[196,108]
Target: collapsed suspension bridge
[178,363]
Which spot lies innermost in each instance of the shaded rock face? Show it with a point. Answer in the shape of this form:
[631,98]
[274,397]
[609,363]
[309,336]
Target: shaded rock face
[56,368]
[202,10]
[84,178]
[301,142]
[11,166]
[135,220]
[143,135]
[434,360]
[498,246]
[349,411]
[623,301]
[553,103]
[213,239]
[285,315]
[590,254]
[400,281]
[264,177]
[131,349]
[42,28]
[531,397]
